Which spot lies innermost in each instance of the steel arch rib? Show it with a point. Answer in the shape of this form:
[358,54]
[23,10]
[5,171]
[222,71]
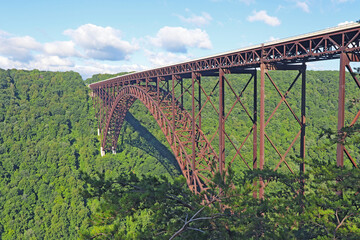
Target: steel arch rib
[179,138]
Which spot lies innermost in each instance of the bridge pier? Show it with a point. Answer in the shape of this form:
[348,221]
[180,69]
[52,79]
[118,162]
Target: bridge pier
[264,68]
[221,120]
[345,59]
[262,127]
[341,107]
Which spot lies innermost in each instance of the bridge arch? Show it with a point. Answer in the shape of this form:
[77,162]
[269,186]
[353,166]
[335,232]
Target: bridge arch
[197,165]
[287,54]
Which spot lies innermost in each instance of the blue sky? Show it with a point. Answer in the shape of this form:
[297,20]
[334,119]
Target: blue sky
[110,36]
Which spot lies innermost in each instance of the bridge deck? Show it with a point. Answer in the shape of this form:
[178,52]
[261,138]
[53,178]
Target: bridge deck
[162,91]
[321,45]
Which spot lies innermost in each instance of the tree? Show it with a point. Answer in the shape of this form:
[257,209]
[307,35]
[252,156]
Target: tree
[148,207]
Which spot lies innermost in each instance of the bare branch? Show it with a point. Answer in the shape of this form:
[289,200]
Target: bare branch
[196,229]
[342,222]
[193,219]
[337,217]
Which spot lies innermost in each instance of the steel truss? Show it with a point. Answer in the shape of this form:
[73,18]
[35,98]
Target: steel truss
[177,98]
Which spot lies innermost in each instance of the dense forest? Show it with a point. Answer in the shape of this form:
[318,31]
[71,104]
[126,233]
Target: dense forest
[55,185]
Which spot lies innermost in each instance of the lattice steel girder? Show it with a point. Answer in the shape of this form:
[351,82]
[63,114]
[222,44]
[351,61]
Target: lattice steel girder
[182,128]
[301,121]
[252,118]
[197,170]
[318,46]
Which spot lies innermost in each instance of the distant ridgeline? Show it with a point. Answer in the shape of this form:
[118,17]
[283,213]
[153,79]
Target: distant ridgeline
[99,77]
[48,136]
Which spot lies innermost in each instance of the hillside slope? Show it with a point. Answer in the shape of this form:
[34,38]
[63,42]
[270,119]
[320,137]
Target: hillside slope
[48,136]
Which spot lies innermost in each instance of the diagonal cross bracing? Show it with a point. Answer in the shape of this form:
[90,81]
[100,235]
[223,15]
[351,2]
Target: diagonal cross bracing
[176,97]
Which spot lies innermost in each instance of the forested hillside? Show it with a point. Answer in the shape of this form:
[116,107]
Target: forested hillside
[47,135]
[49,149]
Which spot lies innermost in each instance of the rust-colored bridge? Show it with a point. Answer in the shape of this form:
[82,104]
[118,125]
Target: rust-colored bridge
[178,100]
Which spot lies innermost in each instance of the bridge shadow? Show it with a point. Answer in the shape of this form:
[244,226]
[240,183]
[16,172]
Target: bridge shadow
[149,144]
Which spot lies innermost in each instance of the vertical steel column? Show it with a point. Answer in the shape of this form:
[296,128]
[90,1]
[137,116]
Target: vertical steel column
[182,92]
[303,126]
[199,99]
[97,107]
[255,129]
[193,76]
[101,110]
[173,108]
[341,108]
[262,127]
[158,87]
[221,121]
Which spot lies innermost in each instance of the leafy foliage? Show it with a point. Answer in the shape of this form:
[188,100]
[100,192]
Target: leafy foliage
[154,208]
[47,135]
[135,208]
[49,160]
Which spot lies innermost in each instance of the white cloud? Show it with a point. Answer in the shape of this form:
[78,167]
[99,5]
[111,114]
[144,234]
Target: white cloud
[201,20]
[41,61]
[178,39]
[344,23]
[264,17]
[18,48]
[91,67]
[103,43]
[164,58]
[88,44]
[62,49]
[7,63]
[303,6]
[86,68]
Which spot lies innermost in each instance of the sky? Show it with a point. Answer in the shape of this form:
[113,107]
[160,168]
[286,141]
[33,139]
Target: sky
[111,36]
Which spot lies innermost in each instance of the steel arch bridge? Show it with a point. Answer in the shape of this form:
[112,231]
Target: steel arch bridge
[177,99]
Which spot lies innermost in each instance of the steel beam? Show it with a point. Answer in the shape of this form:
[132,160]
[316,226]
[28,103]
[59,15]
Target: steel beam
[262,126]
[323,45]
[303,127]
[182,92]
[199,99]
[255,132]
[221,121]
[193,126]
[158,87]
[194,151]
[344,60]
[173,108]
